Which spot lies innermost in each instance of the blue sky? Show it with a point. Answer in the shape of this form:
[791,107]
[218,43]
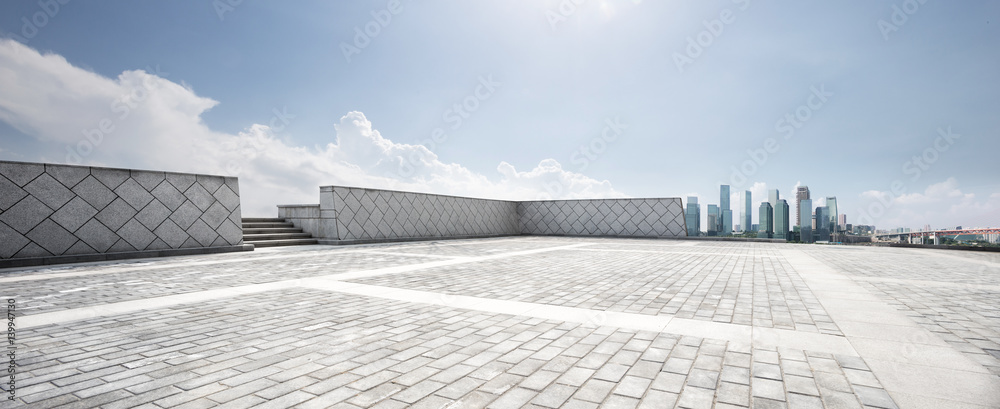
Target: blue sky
[560,75]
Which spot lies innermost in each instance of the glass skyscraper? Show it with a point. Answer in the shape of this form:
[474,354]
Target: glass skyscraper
[801,193]
[805,220]
[764,229]
[822,223]
[713,220]
[831,204]
[746,214]
[725,212]
[781,220]
[692,216]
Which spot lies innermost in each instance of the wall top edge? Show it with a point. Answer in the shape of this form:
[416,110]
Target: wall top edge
[14,162]
[331,187]
[416,193]
[298,205]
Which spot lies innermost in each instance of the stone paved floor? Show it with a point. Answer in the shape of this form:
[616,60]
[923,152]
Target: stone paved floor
[514,322]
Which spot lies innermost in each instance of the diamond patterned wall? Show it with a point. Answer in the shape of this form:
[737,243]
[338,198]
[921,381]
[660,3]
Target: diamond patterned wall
[58,210]
[603,217]
[369,214]
[351,214]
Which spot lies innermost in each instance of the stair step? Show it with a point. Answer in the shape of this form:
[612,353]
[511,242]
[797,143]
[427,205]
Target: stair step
[274,230]
[266,225]
[276,236]
[263,220]
[276,243]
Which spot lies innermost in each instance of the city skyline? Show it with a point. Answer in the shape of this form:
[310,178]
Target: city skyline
[452,99]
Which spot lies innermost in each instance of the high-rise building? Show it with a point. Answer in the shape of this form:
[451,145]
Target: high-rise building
[822,223]
[725,211]
[772,198]
[713,220]
[781,220]
[801,193]
[692,216]
[746,214]
[805,220]
[764,229]
[842,222]
[831,204]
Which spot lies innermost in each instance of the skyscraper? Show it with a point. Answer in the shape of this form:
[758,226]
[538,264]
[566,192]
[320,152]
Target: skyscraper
[772,198]
[781,220]
[746,214]
[725,211]
[764,229]
[801,193]
[692,216]
[805,220]
[831,204]
[822,223]
[842,221]
[713,220]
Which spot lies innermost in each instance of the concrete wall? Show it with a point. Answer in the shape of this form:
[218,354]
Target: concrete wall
[360,215]
[351,215]
[52,212]
[603,217]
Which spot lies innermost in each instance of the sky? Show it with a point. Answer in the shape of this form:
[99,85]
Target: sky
[890,106]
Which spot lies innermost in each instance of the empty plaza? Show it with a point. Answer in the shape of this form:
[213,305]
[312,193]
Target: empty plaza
[522,321]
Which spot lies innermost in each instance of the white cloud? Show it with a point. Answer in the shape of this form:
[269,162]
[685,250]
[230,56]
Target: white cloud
[142,119]
[942,205]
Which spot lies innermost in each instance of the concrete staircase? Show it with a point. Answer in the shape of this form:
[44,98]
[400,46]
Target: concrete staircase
[272,232]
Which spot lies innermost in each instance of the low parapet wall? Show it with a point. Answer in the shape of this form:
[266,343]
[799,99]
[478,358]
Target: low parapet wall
[358,215]
[58,213]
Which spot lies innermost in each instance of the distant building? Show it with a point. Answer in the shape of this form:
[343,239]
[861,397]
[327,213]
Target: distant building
[822,223]
[764,229]
[842,222]
[801,193]
[713,220]
[805,219]
[831,204]
[781,220]
[725,211]
[746,212]
[692,216]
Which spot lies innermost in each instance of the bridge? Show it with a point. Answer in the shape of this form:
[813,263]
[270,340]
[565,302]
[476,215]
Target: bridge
[932,234]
